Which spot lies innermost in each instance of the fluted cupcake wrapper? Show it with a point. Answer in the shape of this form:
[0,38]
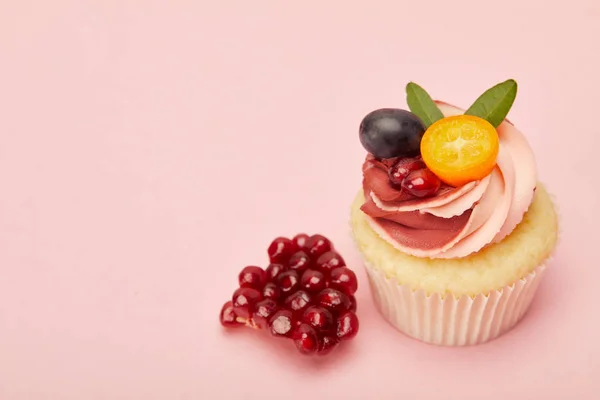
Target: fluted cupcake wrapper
[449,320]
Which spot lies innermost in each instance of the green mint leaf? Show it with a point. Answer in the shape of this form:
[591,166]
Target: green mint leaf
[495,103]
[421,104]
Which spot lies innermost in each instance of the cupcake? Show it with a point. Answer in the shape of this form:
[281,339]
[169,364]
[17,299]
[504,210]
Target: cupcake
[454,227]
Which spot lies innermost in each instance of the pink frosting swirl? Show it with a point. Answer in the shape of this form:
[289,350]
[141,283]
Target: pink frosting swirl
[456,221]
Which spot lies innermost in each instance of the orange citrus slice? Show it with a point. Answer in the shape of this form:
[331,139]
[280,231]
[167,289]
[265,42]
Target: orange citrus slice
[460,149]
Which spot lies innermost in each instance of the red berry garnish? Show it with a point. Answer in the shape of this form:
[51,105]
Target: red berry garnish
[300,240]
[333,300]
[297,302]
[264,310]
[421,183]
[344,280]
[300,261]
[317,245]
[288,282]
[281,249]
[273,271]
[402,168]
[228,317]
[327,344]
[271,291]
[347,325]
[319,318]
[312,280]
[330,261]
[305,294]
[252,277]
[306,339]
[282,323]
[244,300]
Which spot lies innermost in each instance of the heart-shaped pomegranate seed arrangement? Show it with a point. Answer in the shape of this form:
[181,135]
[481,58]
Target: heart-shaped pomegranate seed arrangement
[306,294]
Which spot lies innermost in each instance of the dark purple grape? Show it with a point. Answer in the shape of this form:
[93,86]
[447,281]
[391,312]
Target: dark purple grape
[391,132]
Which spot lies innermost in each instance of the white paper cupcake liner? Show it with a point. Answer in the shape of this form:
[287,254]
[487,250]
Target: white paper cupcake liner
[449,320]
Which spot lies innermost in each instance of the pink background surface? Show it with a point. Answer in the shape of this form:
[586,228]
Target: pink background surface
[149,150]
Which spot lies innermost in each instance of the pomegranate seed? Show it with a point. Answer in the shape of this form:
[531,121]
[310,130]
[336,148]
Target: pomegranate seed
[326,345]
[329,261]
[228,317]
[244,300]
[288,282]
[344,280]
[300,240]
[347,325]
[306,293]
[402,168]
[421,183]
[317,245]
[273,271]
[297,302]
[281,249]
[353,305]
[282,323]
[300,261]
[264,311]
[252,277]
[319,318]
[312,280]
[271,291]
[306,339]
[333,300]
